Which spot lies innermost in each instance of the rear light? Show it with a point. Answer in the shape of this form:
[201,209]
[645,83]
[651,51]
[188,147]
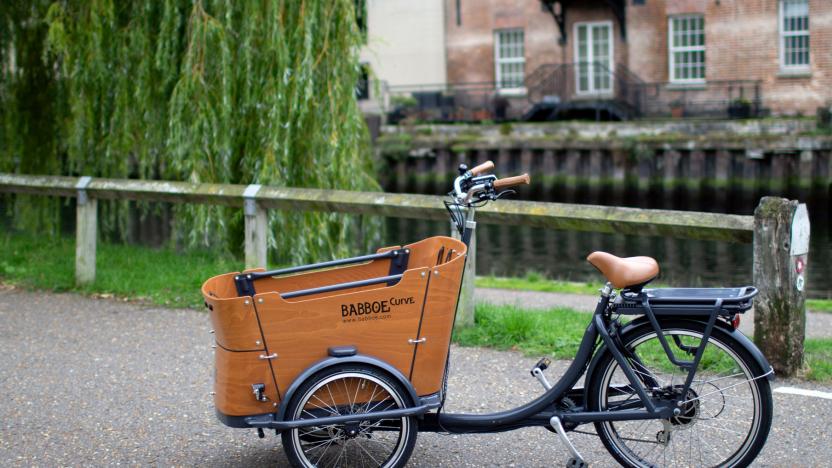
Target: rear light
[735,322]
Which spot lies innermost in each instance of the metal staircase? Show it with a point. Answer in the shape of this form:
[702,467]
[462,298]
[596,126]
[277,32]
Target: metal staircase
[557,91]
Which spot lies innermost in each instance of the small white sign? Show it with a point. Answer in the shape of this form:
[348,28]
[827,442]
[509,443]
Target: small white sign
[800,231]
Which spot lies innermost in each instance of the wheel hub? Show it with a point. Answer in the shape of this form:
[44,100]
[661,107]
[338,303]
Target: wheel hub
[351,430]
[688,409]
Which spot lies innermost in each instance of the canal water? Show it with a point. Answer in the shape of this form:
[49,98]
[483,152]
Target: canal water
[517,250]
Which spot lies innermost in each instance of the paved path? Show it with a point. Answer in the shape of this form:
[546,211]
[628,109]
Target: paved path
[99,382]
[818,324]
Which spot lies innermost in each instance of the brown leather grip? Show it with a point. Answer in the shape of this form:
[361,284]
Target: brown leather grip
[482,168]
[500,184]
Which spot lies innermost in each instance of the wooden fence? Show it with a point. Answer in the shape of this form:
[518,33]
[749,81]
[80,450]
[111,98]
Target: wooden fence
[777,278]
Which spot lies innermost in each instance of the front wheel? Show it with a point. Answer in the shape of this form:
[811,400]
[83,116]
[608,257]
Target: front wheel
[343,390]
[726,415]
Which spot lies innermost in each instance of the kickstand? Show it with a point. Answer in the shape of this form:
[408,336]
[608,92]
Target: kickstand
[576,461]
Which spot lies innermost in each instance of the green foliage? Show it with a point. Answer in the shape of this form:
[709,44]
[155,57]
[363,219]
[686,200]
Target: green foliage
[403,100]
[210,91]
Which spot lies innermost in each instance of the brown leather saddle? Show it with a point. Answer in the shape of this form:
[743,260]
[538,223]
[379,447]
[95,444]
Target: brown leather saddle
[624,272]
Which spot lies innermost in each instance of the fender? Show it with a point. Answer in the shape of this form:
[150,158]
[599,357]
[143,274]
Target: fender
[724,327]
[335,361]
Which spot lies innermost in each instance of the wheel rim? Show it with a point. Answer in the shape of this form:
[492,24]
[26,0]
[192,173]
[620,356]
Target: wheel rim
[369,443]
[717,425]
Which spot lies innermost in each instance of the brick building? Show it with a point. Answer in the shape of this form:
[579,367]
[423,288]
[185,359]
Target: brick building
[650,57]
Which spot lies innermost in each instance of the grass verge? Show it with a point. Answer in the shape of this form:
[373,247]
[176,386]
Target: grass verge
[818,359]
[161,276]
[819,305]
[557,333]
[533,281]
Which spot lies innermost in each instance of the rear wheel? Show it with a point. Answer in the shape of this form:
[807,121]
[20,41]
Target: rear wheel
[726,415]
[343,390]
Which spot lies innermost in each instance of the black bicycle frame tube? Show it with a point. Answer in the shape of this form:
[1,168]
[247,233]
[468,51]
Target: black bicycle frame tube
[691,366]
[476,422]
[709,328]
[645,304]
[535,413]
[622,362]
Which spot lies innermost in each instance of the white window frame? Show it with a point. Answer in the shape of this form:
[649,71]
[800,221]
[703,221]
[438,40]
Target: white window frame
[610,60]
[782,39]
[671,50]
[498,78]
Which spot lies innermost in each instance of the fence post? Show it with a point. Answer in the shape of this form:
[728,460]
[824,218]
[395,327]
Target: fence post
[465,307]
[256,222]
[781,248]
[86,231]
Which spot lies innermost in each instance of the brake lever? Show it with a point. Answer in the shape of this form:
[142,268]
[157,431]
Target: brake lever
[504,193]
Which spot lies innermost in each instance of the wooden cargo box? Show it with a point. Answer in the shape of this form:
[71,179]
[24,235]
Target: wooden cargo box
[271,337]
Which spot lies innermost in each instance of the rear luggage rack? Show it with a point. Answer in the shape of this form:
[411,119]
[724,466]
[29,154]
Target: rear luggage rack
[687,301]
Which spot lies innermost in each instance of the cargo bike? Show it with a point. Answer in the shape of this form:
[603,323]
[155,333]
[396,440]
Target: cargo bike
[348,359]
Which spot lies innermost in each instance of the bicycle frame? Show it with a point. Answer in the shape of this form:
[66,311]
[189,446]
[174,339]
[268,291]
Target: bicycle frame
[541,411]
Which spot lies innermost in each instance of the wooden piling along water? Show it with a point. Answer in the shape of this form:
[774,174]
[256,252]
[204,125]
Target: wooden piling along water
[779,230]
[781,251]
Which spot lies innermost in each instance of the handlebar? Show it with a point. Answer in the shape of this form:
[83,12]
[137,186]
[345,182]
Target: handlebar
[507,182]
[476,183]
[487,166]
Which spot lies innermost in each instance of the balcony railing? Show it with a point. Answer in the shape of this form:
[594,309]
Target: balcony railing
[455,102]
[716,99]
[572,90]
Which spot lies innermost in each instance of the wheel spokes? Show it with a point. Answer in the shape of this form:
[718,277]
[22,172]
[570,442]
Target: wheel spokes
[365,443]
[718,416]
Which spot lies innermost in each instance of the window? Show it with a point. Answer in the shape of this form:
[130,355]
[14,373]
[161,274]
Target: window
[687,49]
[593,50]
[509,58]
[794,34]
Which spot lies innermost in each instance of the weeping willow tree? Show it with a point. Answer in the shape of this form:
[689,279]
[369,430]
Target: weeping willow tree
[216,91]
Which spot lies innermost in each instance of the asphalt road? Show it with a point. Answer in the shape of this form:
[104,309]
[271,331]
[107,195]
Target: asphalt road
[100,382]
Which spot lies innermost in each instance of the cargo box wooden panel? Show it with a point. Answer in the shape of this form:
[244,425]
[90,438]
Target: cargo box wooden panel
[406,323]
[235,373]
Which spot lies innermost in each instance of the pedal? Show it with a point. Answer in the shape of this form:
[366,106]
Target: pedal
[576,461]
[542,364]
[537,372]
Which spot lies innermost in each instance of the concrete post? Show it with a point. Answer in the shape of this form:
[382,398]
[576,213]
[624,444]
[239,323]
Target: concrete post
[86,232]
[465,307]
[256,224]
[781,248]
